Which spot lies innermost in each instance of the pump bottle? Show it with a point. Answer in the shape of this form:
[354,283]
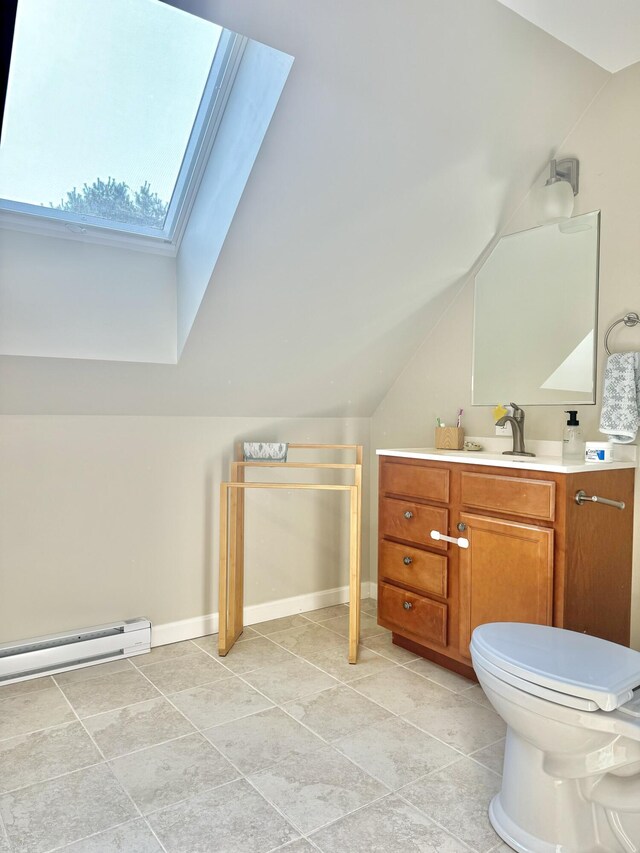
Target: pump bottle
[572,441]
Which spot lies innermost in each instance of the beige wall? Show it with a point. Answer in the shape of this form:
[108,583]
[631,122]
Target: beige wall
[105,518]
[437,381]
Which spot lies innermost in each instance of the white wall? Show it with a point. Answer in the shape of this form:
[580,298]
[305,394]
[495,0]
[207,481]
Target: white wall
[437,381]
[262,74]
[75,300]
[105,518]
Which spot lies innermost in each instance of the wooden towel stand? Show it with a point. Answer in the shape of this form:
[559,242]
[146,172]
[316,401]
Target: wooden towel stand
[231,597]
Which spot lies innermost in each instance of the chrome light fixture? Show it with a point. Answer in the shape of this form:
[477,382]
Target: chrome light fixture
[556,197]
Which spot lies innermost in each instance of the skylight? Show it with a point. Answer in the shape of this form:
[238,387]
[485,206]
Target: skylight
[111,107]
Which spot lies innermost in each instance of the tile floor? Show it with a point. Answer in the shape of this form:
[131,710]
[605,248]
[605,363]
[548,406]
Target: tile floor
[279,746]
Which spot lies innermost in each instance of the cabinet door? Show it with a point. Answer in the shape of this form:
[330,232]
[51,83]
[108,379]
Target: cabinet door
[506,574]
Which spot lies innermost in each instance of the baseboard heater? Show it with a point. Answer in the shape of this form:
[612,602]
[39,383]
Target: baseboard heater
[73,649]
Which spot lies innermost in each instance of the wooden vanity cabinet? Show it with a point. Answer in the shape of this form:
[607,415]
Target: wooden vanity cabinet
[534,554]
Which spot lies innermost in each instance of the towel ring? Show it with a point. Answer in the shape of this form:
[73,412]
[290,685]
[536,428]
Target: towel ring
[630,319]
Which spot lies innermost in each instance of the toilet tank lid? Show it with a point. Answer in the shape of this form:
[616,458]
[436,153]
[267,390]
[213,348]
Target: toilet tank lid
[565,661]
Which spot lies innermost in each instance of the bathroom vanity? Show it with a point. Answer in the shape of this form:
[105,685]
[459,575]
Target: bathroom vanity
[523,549]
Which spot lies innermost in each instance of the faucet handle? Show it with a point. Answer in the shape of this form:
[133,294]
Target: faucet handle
[518,413]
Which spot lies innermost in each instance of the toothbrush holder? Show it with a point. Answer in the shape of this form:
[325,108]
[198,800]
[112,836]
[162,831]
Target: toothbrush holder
[449,438]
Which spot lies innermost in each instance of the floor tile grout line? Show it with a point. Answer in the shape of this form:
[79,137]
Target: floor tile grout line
[317,828]
[382,782]
[276,704]
[460,752]
[87,669]
[124,707]
[281,708]
[328,673]
[25,693]
[112,710]
[198,652]
[274,806]
[241,777]
[117,781]
[93,716]
[5,835]
[107,760]
[245,776]
[198,730]
[323,742]
[133,668]
[340,684]
[348,814]
[150,746]
[202,793]
[93,835]
[37,731]
[331,745]
[53,778]
[438,824]
[300,657]
[81,769]
[231,763]
[410,663]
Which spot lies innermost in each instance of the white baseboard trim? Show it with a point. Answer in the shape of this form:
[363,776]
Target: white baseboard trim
[200,626]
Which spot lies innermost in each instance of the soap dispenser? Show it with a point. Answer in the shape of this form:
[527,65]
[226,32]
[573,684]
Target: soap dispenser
[572,442]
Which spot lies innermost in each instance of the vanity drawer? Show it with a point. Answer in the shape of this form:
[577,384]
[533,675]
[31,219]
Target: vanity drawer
[509,495]
[413,522]
[405,612]
[412,567]
[415,481]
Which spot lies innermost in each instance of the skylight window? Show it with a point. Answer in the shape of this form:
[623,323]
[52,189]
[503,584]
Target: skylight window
[111,108]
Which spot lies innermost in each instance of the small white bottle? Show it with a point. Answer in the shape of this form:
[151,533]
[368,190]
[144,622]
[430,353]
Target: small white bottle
[572,441]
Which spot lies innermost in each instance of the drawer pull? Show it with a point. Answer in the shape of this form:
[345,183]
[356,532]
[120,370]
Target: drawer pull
[408,514]
[407,561]
[461,542]
[407,605]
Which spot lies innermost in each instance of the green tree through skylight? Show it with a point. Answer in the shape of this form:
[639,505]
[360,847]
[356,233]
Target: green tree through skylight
[101,88]
[112,200]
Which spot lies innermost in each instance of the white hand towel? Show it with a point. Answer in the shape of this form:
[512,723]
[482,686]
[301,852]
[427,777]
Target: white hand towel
[620,416]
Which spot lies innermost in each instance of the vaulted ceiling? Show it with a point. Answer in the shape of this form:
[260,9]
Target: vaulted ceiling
[608,33]
[405,138]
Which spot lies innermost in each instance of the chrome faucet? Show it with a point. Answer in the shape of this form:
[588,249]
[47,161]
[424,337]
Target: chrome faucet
[517,428]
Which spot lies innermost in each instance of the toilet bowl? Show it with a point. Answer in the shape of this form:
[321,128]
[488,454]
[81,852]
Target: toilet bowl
[571,702]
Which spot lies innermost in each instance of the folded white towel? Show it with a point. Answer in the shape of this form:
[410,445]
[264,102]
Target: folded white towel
[620,415]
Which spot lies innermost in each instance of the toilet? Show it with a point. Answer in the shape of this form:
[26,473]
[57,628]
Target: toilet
[571,702]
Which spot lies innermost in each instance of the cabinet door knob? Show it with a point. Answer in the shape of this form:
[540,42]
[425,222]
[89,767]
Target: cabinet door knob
[407,561]
[461,526]
[407,605]
[408,514]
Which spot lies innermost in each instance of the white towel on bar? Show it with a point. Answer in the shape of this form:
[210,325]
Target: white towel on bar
[620,415]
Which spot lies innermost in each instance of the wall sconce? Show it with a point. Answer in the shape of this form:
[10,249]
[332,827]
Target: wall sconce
[556,197]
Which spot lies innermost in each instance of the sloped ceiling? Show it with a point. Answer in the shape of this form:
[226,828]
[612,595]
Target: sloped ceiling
[406,136]
[608,33]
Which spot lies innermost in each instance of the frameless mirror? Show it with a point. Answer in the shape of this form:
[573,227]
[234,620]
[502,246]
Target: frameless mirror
[536,305]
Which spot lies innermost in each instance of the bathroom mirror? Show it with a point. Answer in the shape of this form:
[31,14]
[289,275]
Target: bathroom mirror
[535,318]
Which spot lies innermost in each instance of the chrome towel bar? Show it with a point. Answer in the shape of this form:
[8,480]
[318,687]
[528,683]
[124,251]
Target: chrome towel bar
[583,497]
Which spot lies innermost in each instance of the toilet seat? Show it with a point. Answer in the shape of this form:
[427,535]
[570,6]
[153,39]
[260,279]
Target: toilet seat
[565,667]
[534,689]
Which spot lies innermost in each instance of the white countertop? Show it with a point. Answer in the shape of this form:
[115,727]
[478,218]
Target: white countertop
[552,464]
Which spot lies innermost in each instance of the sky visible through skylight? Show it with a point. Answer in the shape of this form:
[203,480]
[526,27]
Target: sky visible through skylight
[101,89]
